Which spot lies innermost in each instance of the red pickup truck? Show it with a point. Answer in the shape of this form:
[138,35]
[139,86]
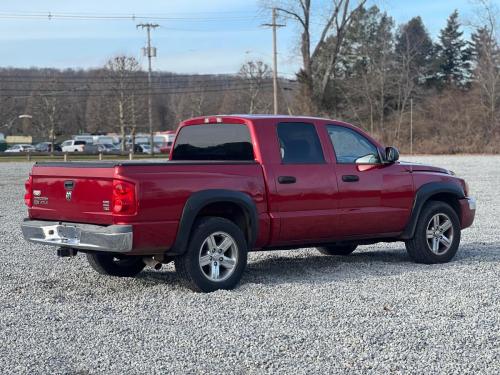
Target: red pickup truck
[235,184]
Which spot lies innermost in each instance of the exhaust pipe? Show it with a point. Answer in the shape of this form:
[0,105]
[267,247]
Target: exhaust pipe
[153,263]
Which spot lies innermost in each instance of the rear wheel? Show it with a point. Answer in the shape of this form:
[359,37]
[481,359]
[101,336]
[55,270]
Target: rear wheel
[115,265]
[344,249]
[437,234]
[216,256]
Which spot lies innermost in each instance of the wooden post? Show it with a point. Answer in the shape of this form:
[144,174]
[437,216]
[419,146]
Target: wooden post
[411,126]
[65,156]
[100,155]
[130,155]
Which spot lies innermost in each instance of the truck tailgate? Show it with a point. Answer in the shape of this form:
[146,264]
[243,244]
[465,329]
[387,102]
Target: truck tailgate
[78,192]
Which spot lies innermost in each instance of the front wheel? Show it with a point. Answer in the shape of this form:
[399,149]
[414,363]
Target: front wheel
[437,234]
[115,265]
[215,257]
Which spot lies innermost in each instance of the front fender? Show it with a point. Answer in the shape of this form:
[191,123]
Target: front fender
[424,194]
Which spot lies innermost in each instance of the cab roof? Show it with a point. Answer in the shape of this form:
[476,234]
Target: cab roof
[242,117]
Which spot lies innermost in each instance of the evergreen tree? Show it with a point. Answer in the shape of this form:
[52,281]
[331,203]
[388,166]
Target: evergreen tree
[414,49]
[454,54]
[484,45]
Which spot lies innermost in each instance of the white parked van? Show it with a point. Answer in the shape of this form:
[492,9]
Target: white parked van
[72,145]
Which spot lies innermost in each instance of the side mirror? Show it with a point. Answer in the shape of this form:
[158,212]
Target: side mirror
[391,154]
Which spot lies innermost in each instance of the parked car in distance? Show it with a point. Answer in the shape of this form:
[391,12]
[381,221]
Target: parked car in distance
[21,148]
[46,147]
[72,145]
[243,183]
[108,148]
[145,149]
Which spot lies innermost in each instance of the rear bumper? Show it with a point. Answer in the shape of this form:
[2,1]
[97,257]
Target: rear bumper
[113,238]
[467,211]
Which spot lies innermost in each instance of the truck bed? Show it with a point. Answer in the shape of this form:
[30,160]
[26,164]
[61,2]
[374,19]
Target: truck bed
[161,191]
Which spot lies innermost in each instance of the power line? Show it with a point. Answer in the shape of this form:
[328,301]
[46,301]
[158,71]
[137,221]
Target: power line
[127,17]
[172,92]
[126,80]
[88,76]
[221,85]
[246,83]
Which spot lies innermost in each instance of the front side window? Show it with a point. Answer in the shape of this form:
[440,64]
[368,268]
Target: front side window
[214,142]
[351,147]
[299,143]
[66,143]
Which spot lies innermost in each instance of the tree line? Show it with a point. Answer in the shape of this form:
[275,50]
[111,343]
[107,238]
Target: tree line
[357,66]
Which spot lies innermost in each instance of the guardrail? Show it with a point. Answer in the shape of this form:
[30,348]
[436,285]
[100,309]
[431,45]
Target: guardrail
[67,156]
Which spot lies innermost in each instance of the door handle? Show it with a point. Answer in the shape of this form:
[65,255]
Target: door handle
[287,180]
[350,178]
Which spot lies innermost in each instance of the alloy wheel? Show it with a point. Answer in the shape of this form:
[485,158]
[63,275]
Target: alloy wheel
[439,233]
[218,256]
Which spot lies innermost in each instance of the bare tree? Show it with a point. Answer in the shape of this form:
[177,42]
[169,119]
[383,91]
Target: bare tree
[338,18]
[123,74]
[412,60]
[486,50]
[257,74]
[48,108]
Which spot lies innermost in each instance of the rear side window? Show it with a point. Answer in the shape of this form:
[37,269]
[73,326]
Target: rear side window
[213,142]
[80,143]
[299,143]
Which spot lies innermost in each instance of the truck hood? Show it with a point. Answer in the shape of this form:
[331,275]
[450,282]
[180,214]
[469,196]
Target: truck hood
[417,167]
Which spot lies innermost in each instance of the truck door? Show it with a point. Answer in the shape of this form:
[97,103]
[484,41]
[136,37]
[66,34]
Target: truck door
[306,199]
[375,198]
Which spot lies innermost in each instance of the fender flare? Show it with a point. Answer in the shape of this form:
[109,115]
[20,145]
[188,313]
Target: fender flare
[423,194]
[197,201]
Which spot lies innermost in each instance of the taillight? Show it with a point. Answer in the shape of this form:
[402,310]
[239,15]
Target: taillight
[28,195]
[124,202]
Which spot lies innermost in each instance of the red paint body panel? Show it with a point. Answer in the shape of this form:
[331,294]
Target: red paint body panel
[318,207]
[92,186]
[466,214]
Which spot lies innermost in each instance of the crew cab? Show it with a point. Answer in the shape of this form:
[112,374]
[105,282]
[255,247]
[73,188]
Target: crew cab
[242,183]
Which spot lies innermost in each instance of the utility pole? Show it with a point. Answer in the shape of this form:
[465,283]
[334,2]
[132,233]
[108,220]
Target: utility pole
[274,25]
[411,126]
[149,52]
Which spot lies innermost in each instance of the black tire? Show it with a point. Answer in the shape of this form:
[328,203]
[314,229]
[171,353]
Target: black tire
[418,247]
[188,265]
[115,265]
[344,249]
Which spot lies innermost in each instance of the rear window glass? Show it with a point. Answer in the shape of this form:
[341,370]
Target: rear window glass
[213,142]
[299,143]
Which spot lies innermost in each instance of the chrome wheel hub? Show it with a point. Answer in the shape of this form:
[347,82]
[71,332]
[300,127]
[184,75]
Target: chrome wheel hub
[218,256]
[439,234]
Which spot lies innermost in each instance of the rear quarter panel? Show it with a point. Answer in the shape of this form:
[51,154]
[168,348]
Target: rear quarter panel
[164,189]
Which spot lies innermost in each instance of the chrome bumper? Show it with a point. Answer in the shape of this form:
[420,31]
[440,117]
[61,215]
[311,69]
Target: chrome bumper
[113,238]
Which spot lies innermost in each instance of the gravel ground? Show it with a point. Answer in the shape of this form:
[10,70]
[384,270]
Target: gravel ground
[295,311]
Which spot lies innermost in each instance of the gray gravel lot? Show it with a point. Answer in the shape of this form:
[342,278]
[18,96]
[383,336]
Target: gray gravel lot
[295,311]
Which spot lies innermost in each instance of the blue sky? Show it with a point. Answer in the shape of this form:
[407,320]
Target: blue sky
[214,36]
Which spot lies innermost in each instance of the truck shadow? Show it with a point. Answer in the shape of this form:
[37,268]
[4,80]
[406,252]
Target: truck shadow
[308,266]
